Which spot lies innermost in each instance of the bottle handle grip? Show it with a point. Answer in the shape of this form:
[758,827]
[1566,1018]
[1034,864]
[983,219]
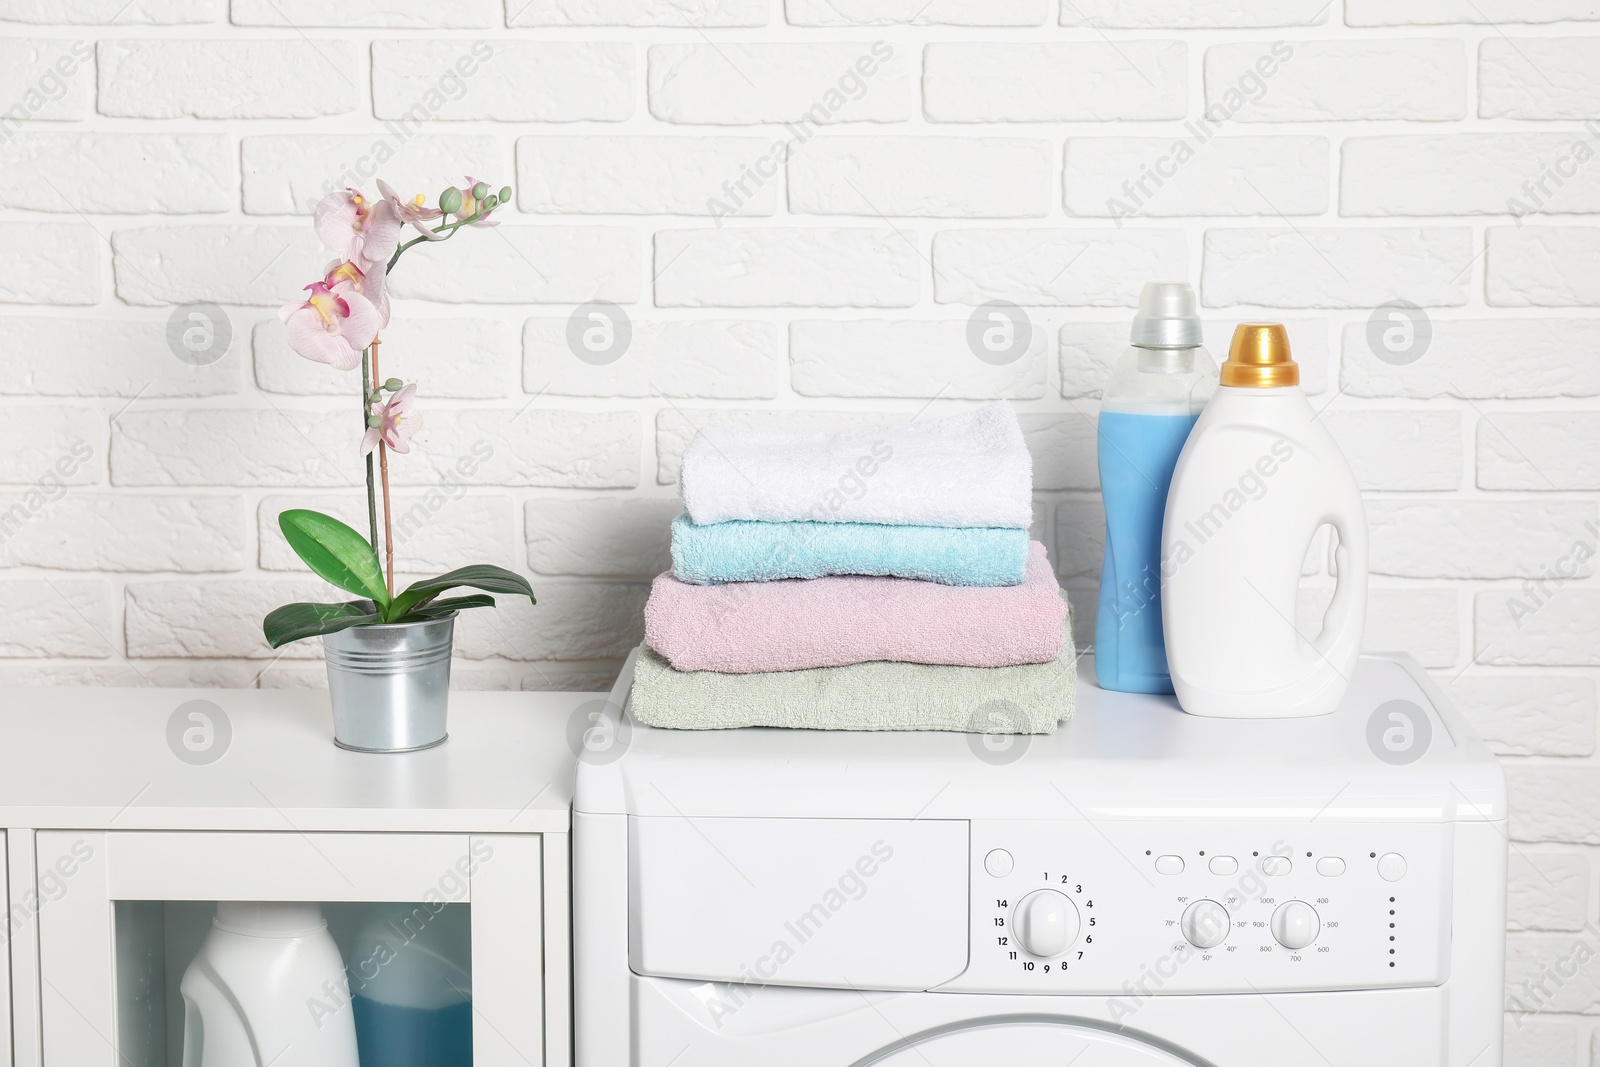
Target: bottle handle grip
[1345,620]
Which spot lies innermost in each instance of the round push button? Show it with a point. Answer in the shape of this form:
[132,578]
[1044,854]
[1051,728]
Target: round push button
[1276,866]
[1169,864]
[1330,866]
[1391,866]
[1224,865]
[998,863]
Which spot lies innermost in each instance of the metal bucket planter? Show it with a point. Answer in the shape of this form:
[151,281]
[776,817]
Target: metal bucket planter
[390,684]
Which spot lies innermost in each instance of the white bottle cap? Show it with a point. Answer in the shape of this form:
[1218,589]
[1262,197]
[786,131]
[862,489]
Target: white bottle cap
[1168,316]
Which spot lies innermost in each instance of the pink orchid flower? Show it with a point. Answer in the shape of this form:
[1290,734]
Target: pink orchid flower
[399,422]
[346,277]
[363,232]
[471,206]
[331,327]
[414,212]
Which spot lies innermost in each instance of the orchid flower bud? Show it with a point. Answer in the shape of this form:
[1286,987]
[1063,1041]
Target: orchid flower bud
[505,194]
[480,191]
[394,385]
[450,200]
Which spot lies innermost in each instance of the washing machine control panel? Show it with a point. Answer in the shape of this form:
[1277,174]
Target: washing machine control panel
[1134,910]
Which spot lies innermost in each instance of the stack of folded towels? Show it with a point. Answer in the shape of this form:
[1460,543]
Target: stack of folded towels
[874,579]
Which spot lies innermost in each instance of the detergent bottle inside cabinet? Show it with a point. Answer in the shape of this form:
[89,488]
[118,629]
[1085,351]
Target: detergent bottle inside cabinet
[1256,480]
[411,986]
[245,993]
[1156,391]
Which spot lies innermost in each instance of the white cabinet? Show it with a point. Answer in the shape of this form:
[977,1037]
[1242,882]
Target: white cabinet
[463,850]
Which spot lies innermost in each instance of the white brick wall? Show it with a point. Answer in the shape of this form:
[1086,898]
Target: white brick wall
[1515,78]
[1344,267]
[1301,80]
[816,83]
[1083,81]
[597,175]
[227,79]
[938,177]
[917,12]
[1122,176]
[900,358]
[798,205]
[701,13]
[1045,267]
[49,263]
[721,360]
[285,174]
[504,81]
[178,174]
[482,363]
[813,267]
[1543,266]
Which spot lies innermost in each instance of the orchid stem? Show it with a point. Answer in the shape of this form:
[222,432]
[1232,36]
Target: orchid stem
[388,529]
[383,468]
[366,412]
[449,230]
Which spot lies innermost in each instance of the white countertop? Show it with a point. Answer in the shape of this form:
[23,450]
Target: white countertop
[85,758]
[1120,756]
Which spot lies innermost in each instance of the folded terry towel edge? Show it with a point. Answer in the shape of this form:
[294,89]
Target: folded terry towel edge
[841,620]
[749,550]
[914,476]
[1028,699]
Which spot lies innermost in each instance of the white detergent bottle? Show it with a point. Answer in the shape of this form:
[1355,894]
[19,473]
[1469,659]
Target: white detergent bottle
[1256,479]
[267,987]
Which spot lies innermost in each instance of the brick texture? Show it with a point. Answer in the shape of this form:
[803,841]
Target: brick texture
[1305,81]
[258,78]
[788,214]
[418,81]
[1535,79]
[1080,82]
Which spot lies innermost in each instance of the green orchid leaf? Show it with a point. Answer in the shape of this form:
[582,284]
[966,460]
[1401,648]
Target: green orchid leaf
[296,622]
[483,576]
[336,553]
[433,609]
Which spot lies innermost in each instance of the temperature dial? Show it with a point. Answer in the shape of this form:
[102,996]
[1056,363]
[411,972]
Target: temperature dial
[1045,923]
[1205,924]
[1295,924]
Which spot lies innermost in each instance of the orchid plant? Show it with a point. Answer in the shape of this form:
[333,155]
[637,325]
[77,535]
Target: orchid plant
[338,324]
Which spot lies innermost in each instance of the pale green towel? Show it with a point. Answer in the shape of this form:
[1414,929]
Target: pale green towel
[1029,699]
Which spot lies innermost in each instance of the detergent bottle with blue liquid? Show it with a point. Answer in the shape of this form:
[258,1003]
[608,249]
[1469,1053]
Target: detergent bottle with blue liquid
[411,986]
[1156,392]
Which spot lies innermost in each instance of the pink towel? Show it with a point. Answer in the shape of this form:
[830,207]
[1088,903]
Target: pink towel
[794,625]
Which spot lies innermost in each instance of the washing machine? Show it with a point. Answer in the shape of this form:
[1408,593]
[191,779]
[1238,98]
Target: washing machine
[1142,888]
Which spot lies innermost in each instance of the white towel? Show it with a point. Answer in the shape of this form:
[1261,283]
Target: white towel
[971,469]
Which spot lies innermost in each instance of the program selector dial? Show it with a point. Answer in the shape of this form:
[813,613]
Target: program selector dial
[1045,923]
[1205,924]
[1295,924]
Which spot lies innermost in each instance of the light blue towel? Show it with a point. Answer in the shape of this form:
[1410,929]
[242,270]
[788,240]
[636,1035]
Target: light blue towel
[746,551]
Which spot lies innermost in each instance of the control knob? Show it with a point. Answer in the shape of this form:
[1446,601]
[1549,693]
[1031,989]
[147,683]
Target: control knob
[1295,924]
[1205,924]
[1045,923]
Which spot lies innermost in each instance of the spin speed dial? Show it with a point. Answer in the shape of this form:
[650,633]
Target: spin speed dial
[1045,923]
[1295,924]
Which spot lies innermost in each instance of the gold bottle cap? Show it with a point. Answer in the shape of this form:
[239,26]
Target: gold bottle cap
[1259,357]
